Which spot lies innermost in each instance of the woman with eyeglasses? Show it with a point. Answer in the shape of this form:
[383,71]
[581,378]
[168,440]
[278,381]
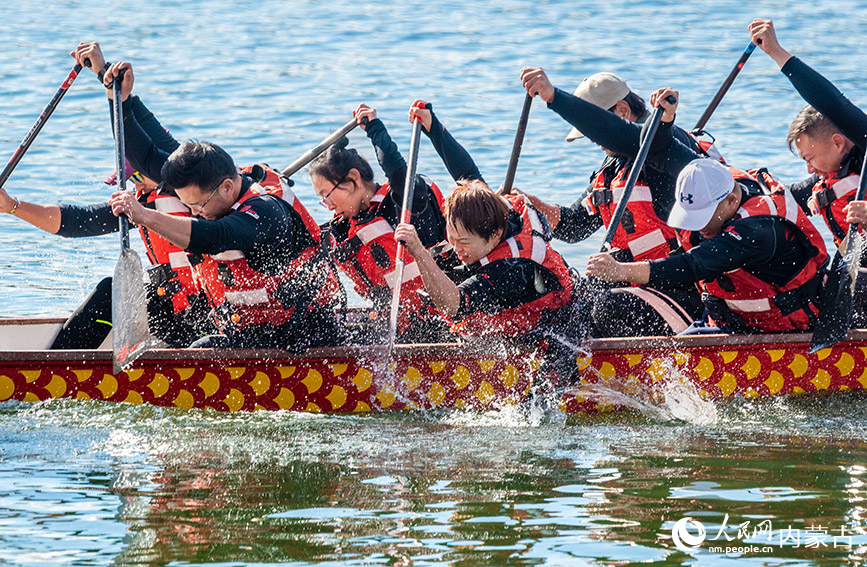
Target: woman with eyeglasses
[366,213]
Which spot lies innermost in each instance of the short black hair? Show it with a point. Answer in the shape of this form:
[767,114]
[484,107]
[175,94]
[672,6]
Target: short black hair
[202,164]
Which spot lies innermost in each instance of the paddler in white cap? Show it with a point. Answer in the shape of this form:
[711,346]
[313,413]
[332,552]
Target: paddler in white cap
[755,254]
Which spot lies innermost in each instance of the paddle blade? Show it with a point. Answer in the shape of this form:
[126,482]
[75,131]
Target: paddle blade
[835,315]
[128,311]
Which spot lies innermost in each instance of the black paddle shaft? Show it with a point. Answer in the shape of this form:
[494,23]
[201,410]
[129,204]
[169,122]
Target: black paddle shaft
[516,147]
[313,153]
[40,122]
[120,154]
[835,313]
[655,119]
[724,88]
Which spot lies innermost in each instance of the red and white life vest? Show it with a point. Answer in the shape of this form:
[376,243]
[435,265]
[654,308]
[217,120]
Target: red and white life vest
[171,274]
[245,297]
[641,231]
[762,305]
[830,196]
[367,257]
[531,243]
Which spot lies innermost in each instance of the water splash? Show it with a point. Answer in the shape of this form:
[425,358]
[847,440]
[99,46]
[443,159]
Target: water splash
[673,397]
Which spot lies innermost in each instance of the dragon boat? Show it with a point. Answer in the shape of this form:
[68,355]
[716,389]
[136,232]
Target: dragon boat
[474,375]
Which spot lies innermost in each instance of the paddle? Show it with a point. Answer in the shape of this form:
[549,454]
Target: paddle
[129,315]
[40,122]
[405,216]
[723,89]
[516,147]
[643,150]
[324,145]
[835,314]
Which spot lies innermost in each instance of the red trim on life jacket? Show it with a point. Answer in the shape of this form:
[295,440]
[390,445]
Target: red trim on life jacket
[832,194]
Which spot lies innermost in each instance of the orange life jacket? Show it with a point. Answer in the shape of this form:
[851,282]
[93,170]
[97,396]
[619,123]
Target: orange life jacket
[762,305]
[244,297]
[830,196]
[367,258]
[171,273]
[641,231]
[531,243]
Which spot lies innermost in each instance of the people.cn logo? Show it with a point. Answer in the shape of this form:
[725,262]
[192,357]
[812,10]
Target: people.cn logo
[684,540]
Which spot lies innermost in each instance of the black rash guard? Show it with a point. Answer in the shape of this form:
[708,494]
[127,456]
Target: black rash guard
[148,144]
[262,228]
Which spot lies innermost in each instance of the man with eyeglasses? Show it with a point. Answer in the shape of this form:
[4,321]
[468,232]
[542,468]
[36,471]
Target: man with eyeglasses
[257,250]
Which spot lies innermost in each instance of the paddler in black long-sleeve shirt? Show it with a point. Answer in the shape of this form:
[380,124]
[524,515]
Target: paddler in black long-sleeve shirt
[262,266]
[830,135]
[362,231]
[497,275]
[607,112]
[175,313]
[757,256]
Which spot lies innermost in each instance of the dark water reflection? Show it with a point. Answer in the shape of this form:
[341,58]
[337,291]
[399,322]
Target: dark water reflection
[84,482]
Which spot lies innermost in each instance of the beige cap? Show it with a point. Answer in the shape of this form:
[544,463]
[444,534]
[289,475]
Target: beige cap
[602,89]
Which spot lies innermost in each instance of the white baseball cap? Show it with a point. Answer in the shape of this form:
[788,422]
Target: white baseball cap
[602,89]
[701,185]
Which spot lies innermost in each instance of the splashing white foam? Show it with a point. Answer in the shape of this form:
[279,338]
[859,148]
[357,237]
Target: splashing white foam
[672,397]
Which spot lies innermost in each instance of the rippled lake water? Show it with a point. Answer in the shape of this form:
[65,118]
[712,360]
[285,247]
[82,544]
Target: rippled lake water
[97,484]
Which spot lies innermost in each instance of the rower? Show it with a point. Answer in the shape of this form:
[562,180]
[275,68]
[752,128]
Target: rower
[605,110]
[757,256]
[176,309]
[362,230]
[830,135]
[498,276]
[261,266]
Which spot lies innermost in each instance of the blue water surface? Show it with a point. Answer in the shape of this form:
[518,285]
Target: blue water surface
[98,484]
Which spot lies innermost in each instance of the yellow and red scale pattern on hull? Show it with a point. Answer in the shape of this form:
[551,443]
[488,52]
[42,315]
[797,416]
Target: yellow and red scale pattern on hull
[743,370]
[297,385]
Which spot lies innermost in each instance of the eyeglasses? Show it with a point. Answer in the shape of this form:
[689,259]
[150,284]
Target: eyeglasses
[327,197]
[201,207]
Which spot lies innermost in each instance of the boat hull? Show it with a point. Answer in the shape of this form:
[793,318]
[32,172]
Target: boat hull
[475,376]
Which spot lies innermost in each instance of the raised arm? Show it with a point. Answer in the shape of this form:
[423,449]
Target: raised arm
[456,158]
[815,89]
[142,149]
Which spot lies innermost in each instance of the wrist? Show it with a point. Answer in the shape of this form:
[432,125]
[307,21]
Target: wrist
[101,73]
[15,204]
